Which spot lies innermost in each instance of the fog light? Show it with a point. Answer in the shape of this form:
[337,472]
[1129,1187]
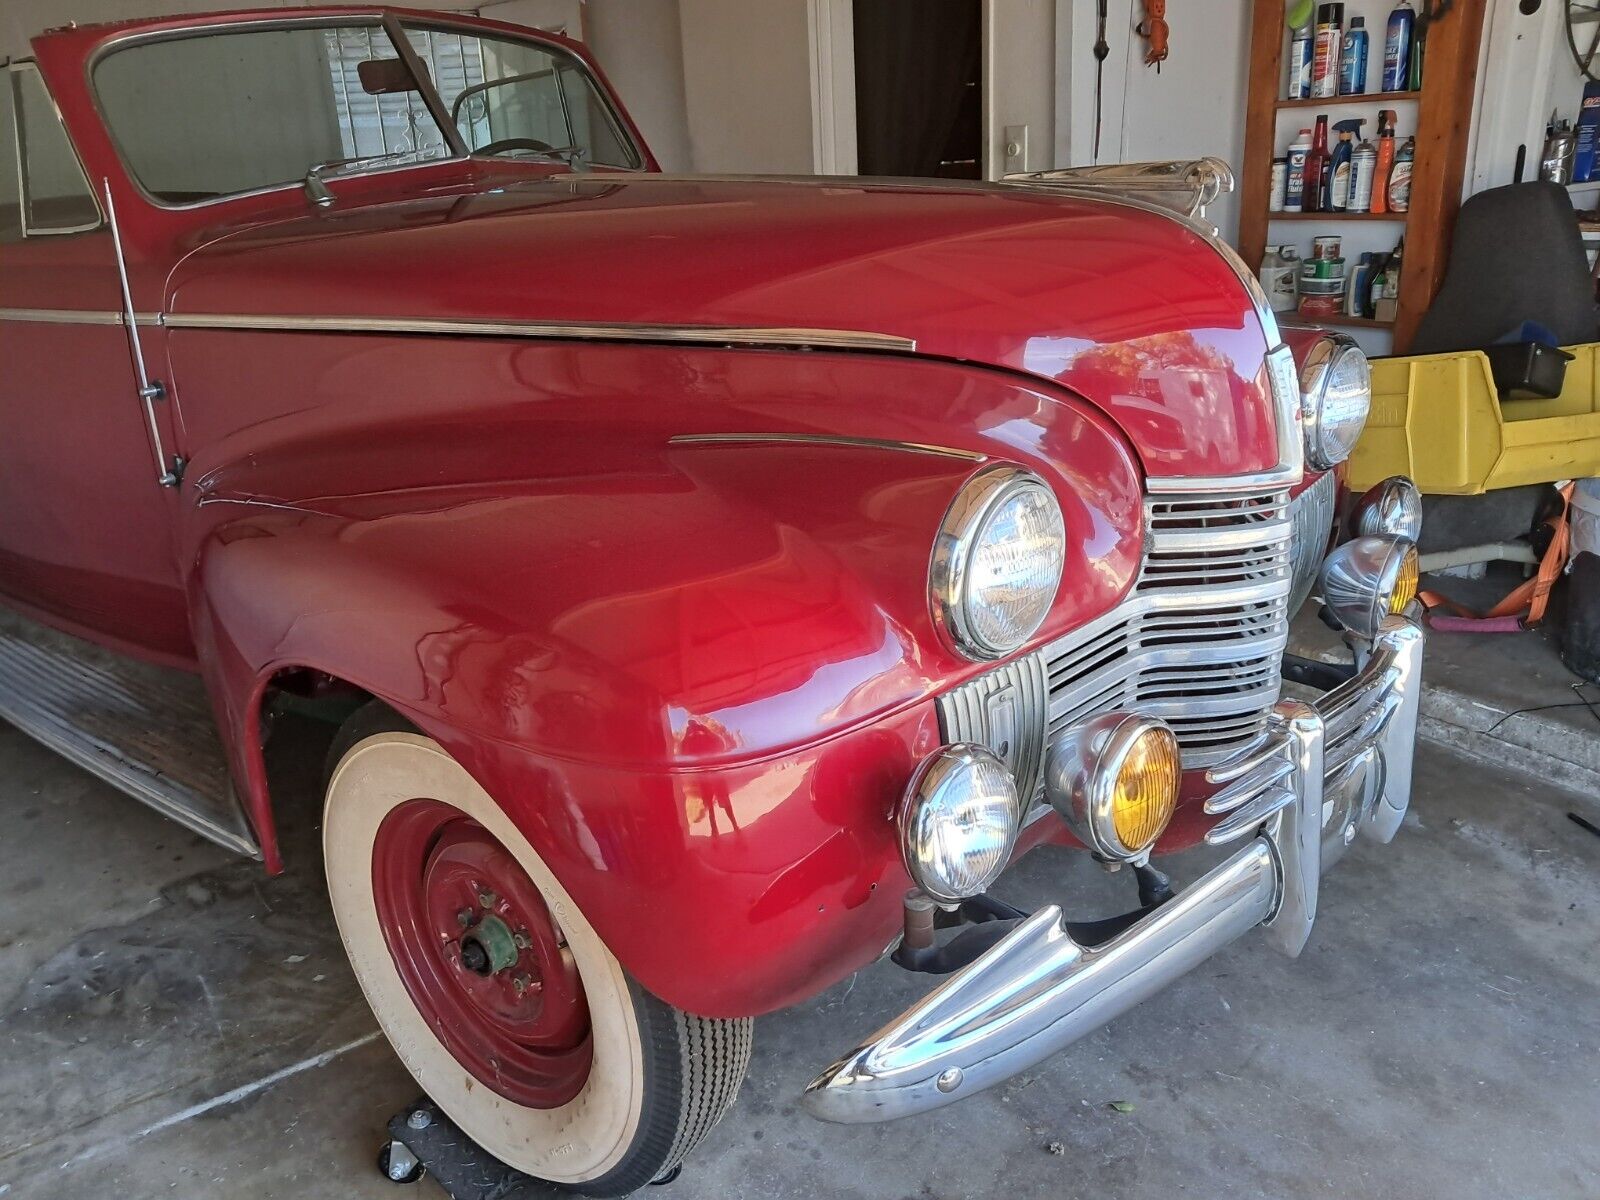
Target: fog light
[1392,507]
[1369,578]
[1114,779]
[958,822]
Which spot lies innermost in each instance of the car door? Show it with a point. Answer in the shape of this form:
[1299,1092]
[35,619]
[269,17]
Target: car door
[85,526]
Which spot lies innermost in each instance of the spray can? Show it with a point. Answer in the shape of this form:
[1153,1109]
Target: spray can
[1397,47]
[1294,185]
[1400,177]
[1385,165]
[1280,182]
[1363,165]
[1329,40]
[1560,143]
[1340,165]
[1353,62]
[1300,61]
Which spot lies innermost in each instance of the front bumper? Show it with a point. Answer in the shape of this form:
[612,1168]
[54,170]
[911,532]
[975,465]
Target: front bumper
[1324,772]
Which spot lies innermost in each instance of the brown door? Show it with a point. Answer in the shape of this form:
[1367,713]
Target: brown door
[919,88]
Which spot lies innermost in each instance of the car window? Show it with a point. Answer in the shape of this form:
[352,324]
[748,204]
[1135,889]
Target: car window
[521,96]
[10,187]
[205,116]
[56,195]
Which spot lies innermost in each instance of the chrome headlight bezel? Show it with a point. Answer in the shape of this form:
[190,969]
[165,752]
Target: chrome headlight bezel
[951,777]
[1392,506]
[1331,432]
[1360,577]
[950,575]
[1082,771]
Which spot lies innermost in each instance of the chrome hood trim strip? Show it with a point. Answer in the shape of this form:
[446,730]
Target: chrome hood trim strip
[821,439]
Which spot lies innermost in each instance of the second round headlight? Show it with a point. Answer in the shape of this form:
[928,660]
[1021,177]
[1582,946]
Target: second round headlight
[997,562]
[1336,384]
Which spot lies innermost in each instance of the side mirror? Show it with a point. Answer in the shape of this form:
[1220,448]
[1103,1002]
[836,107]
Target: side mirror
[385,77]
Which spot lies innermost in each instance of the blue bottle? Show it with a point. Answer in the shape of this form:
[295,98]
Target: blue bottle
[1397,47]
[1353,61]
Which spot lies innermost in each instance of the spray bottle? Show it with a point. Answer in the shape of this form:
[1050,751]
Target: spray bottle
[1339,166]
[1400,177]
[1385,161]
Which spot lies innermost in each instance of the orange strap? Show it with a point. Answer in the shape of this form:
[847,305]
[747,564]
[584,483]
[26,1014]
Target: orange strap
[1533,595]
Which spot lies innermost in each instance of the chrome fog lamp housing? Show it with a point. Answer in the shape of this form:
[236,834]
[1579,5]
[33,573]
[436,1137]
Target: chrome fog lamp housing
[1369,578]
[1335,396]
[1114,779]
[1392,507]
[997,562]
[958,822]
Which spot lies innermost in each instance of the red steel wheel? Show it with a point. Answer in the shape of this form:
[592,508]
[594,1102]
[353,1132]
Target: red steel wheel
[480,955]
[496,992]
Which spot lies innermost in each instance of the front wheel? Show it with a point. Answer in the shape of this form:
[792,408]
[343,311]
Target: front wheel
[493,988]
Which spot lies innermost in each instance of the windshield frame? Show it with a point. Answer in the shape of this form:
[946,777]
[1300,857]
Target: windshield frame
[393,24]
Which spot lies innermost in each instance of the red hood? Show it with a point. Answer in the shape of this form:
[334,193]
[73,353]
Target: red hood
[1132,310]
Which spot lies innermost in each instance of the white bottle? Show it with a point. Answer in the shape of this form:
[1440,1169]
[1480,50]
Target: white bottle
[1278,268]
[1294,192]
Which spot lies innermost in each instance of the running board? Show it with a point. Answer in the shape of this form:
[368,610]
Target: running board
[144,729]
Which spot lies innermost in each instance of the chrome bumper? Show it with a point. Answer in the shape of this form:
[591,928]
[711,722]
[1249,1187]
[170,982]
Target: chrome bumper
[1324,772]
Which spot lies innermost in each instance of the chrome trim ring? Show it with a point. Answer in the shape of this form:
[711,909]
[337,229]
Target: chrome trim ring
[1083,767]
[949,569]
[1315,376]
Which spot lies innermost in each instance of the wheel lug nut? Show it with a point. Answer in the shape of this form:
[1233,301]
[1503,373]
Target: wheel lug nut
[522,939]
[488,899]
[464,918]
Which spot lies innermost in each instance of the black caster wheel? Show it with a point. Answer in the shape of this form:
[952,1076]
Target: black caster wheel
[397,1164]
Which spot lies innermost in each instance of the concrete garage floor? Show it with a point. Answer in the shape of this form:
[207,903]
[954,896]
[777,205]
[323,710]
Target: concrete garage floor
[174,1024]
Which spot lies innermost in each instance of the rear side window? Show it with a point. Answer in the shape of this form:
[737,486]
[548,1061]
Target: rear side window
[55,194]
[10,169]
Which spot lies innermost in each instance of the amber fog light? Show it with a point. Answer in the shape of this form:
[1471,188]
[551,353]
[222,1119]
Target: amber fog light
[959,820]
[1367,579]
[1115,780]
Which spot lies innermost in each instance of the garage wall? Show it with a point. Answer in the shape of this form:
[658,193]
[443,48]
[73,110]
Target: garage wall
[747,84]
[1194,107]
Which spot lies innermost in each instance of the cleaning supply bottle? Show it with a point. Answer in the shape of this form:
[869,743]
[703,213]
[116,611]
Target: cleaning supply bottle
[1339,168]
[1400,177]
[1294,190]
[1330,38]
[1363,163]
[1353,62]
[1355,300]
[1385,162]
[1301,57]
[1391,279]
[1378,280]
[1315,187]
[1419,50]
[1397,47]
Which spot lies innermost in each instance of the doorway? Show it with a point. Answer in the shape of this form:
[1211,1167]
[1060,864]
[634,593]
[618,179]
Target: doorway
[919,88]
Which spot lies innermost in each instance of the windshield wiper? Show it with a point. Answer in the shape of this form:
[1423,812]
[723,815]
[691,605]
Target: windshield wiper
[317,192]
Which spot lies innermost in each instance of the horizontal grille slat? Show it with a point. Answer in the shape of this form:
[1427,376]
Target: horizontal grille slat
[1199,641]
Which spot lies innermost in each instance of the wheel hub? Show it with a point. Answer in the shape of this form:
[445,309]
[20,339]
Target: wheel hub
[481,955]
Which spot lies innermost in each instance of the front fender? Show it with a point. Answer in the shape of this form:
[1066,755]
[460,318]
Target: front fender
[697,673]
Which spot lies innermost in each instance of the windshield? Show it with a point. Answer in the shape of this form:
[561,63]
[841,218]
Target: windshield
[198,117]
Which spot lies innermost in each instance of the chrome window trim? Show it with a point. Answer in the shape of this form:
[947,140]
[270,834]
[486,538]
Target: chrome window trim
[458,152]
[14,70]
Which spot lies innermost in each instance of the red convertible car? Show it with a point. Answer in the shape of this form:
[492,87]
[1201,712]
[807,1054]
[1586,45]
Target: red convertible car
[725,578]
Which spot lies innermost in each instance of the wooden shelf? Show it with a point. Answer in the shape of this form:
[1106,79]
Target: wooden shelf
[1332,101]
[1399,218]
[1439,165]
[1356,322]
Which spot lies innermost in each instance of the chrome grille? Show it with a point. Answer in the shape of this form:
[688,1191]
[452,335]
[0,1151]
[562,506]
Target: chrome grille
[1198,642]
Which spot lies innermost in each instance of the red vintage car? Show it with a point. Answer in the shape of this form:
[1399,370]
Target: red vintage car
[726,578]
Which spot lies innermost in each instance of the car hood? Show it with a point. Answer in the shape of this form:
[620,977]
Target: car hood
[1130,309]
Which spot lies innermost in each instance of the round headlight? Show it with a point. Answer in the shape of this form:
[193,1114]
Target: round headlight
[958,822]
[1115,780]
[1336,391]
[1369,578]
[1392,507]
[997,562]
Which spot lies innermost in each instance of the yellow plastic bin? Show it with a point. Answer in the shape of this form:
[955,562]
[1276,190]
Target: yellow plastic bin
[1437,418]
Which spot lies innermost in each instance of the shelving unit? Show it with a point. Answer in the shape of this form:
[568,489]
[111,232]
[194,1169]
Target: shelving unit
[1439,115]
